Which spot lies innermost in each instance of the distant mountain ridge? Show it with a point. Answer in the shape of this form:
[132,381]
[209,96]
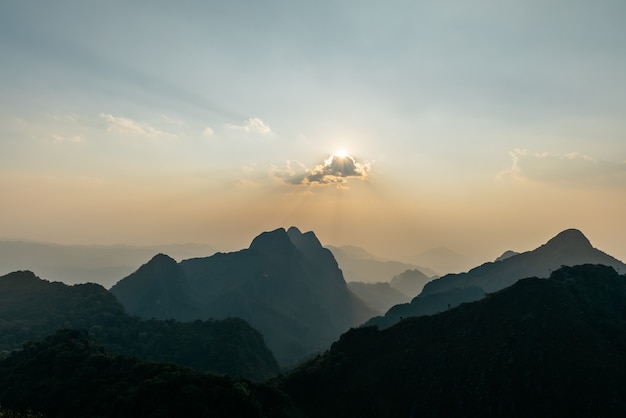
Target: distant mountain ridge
[285,284]
[379,296]
[410,282]
[568,248]
[358,265]
[72,264]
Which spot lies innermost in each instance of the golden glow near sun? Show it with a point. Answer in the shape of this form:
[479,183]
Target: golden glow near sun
[342,153]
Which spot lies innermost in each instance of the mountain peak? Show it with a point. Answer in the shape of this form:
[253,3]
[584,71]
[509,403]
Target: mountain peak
[162,259]
[21,275]
[570,238]
[293,230]
[276,241]
[305,242]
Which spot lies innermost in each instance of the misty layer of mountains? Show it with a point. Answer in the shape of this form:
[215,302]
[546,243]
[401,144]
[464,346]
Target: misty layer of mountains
[72,264]
[523,335]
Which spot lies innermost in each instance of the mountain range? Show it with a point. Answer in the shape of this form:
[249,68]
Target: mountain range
[359,265]
[569,247]
[381,296]
[489,342]
[286,285]
[72,264]
[378,296]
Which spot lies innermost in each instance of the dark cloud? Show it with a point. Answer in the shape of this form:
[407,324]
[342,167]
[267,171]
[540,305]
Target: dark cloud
[334,170]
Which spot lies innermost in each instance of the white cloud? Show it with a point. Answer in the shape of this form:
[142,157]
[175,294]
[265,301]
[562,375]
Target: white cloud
[333,170]
[130,127]
[59,138]
[251,125]
[171,121]
[570,168]
[207,131]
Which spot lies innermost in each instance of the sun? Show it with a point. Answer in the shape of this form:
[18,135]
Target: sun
[341,153]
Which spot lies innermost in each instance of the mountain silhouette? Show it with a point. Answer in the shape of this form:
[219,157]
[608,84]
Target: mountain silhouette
[378,296]
[507,254]
[72,264]
[568,248]
[410,282]
[285,284]
[542,347]
[163,288]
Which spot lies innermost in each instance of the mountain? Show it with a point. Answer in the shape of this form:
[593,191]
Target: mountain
[568,248]
[32,308]
[507,254]
[285,284]
[69,375]
[378,296]
[554,347]
[71,264]
[410,282]
[358,265]
[162,288]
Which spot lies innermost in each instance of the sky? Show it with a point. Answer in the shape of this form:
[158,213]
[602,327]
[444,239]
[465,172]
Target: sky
[396,126]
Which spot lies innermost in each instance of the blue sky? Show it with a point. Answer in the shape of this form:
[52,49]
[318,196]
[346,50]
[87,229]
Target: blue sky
[480,125]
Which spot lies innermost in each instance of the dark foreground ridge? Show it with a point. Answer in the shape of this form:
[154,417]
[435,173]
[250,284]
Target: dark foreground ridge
[553,347]
[69,375]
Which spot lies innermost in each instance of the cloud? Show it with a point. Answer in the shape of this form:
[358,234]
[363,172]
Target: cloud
[130,127]
[571,168]
[207,132]
[251,125]
[59,138]
[171,121]
[334,170]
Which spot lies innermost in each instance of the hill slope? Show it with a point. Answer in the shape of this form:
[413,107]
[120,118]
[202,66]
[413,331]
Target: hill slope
[32,308]
[553,347]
